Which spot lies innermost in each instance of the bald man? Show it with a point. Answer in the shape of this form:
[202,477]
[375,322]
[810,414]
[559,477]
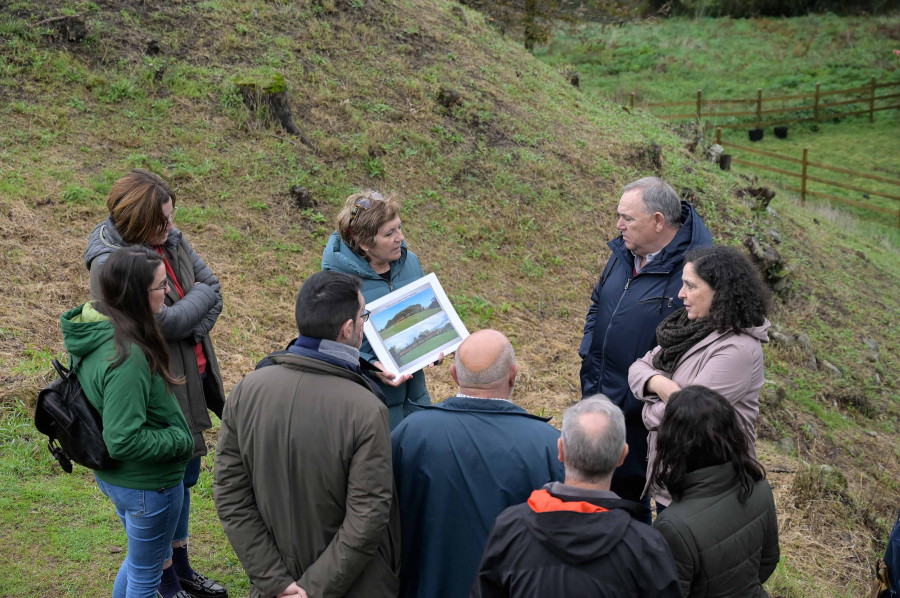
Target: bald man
[460,463]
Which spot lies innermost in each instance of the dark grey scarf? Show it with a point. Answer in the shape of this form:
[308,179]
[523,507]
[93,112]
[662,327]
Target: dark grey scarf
[675,335]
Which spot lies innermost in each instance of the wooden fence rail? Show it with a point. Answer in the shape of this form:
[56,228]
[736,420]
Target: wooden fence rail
[804,176]
[706,107]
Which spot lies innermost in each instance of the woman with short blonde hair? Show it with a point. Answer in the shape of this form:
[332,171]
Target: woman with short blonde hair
[369,243]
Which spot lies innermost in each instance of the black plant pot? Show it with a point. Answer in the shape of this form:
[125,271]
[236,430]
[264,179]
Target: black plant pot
[755,134]
[725,161]
[781,132]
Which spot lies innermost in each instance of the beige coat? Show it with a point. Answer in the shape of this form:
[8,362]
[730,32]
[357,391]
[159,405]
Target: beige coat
[303,481]
[729,363]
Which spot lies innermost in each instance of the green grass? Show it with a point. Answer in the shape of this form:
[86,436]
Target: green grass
[429,346]
[79,537]
[669,60]
[409,322]
[509,196]
[854,144]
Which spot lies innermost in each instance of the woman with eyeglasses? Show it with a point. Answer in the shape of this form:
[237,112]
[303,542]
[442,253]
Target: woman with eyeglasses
[124,370]
[142,213]
[721,525]
[369,243]
[714,341]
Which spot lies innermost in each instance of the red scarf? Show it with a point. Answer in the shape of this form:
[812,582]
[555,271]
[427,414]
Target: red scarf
[198,348]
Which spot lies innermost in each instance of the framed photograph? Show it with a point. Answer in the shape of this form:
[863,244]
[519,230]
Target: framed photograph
[411,326]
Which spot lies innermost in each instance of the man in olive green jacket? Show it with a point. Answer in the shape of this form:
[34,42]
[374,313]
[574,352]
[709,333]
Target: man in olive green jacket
[303,479]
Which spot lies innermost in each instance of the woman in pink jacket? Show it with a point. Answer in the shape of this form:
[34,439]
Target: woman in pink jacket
[715,341]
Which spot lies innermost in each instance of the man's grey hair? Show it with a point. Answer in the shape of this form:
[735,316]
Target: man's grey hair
[591,457]
[489,375]
[658,196]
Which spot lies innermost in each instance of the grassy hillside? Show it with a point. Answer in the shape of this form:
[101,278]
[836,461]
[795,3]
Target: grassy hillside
[509,196]
[668,60]
[663,58]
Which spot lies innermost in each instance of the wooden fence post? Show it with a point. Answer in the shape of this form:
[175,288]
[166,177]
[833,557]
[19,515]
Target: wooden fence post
[872,101]
[803,179]
[700,103]
[816,105]
[719,135]
[632,101]
[758,106]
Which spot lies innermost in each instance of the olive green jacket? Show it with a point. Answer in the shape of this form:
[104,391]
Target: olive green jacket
[304,484]
[722,548]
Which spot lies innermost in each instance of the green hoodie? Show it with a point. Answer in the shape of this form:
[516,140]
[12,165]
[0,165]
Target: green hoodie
[142,423]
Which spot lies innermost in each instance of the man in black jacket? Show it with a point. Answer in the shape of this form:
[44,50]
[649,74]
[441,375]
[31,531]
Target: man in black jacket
[578,538]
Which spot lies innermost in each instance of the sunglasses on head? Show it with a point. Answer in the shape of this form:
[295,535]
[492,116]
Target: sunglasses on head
[365,203]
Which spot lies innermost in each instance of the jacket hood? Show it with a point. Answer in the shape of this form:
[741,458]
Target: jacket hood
[105,239]
[693,233]
[566,526]
[84,329]
[339,257]
[761,332]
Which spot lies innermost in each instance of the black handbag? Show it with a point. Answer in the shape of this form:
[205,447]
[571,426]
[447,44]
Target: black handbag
[73,425]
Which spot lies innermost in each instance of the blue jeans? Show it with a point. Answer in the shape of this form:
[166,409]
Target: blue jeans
[191,476]
[149,518]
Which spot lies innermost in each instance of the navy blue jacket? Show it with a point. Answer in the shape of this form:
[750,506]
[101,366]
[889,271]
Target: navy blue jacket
[621,326]
[892,558]
[457,466]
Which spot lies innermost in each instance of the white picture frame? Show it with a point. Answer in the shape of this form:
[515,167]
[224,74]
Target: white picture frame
[410,327]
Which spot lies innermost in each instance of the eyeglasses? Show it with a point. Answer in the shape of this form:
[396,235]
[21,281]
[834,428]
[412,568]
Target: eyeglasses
[170,219]
[365,316]
[163,287]
[364,204]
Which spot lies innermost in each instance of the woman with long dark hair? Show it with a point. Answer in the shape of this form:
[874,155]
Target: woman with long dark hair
[715,341]
[721,524]
[124,371]
[142,214]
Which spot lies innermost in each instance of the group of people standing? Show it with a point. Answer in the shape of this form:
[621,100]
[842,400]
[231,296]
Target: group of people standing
[336,478]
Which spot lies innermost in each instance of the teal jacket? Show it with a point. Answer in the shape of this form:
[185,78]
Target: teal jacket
[405,399]
[143,426]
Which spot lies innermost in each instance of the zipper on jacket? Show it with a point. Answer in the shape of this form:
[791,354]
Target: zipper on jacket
[609,325]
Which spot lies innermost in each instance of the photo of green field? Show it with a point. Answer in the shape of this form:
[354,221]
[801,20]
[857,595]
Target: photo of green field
[414,327]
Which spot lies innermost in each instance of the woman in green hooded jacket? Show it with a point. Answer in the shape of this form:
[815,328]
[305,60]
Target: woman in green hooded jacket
[123,368]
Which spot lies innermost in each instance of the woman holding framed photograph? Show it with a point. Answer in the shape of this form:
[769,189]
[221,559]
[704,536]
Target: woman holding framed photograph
[369,243]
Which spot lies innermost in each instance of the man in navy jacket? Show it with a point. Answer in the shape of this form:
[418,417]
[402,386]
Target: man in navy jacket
[638,289]
[459,463]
